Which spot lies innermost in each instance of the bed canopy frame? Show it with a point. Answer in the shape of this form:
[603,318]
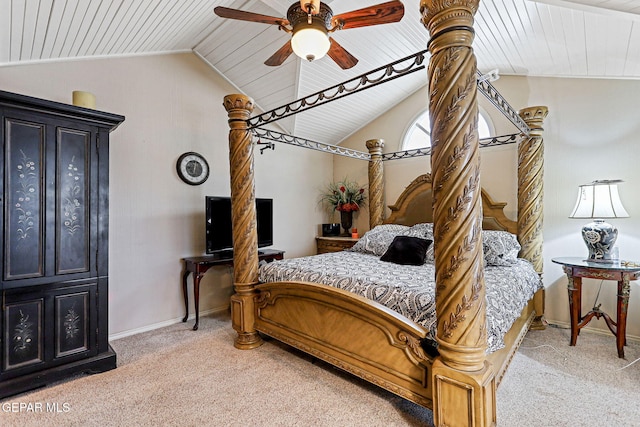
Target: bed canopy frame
[459,384]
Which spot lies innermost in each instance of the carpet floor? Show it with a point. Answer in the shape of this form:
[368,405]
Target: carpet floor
[174,376]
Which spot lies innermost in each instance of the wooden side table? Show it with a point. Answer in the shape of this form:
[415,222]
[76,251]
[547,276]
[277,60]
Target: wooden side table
[199,266]
[334,244]
[621,272]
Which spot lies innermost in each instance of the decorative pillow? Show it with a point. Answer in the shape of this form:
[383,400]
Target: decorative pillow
[500,248]
[424,231]
[407,250]
[377,240]
[394,228]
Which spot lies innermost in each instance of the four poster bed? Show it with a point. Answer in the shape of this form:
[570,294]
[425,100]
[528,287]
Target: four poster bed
[441,364]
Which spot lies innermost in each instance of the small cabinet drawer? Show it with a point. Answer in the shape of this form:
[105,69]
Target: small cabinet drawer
[334,244]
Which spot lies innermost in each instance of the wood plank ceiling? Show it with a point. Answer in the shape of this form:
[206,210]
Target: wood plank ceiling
[560,38]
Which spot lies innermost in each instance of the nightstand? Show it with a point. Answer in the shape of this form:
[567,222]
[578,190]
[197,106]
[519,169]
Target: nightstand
[620,271]
[334,244]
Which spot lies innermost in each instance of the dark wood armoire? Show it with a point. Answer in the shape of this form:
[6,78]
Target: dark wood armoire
[55,241]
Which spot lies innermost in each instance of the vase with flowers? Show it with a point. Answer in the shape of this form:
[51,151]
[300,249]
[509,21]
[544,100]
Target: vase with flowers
[345,197]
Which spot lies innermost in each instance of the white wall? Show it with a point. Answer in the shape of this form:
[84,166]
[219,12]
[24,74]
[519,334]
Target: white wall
[590,133]
[172,104]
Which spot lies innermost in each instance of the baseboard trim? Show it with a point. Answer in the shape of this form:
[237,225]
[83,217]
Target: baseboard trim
[607,332]
[165,323]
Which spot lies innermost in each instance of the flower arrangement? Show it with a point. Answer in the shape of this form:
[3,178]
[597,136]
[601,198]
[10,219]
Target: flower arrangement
[344,196]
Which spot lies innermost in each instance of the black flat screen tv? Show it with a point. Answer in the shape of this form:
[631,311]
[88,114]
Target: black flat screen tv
[219,234]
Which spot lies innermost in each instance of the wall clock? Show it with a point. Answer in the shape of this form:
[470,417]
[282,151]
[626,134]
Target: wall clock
[192,168]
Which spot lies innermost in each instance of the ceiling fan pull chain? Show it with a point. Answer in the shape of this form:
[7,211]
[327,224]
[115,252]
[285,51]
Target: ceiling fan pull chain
[312,7]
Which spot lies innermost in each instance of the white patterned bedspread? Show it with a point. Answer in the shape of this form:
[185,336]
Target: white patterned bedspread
[410,290]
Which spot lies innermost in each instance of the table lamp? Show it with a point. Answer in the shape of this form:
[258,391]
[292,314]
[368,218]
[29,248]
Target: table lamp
[599,200]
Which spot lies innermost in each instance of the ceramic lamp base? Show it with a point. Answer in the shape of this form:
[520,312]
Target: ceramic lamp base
[600,238]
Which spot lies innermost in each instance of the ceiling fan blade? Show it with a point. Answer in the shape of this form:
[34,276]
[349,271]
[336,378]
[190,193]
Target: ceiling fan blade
[383,13]
[280,56]
[241,15]
[340,55]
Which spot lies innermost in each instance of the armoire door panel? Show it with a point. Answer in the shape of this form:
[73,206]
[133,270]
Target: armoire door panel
[73,208]
[24,198]
[72,314]
[23,334]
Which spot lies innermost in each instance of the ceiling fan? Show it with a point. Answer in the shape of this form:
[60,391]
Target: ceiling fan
[310,22]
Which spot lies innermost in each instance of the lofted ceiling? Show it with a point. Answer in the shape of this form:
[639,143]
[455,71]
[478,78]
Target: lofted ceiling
[559,38]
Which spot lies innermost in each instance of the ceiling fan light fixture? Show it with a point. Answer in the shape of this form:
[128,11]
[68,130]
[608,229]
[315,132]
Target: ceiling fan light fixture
[311,21]
[310,42]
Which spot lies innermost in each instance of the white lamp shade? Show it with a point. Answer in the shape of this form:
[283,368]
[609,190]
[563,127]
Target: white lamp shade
[310,43]
[599,199]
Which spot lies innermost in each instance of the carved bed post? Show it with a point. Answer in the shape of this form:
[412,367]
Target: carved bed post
[463,381]
[376,186]
[243,212]
[530,199]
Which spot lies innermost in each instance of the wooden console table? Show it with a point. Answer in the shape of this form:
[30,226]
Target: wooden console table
[199,266]
[621,272]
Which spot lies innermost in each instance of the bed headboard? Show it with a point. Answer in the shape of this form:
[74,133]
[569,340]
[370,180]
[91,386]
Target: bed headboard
[414,206]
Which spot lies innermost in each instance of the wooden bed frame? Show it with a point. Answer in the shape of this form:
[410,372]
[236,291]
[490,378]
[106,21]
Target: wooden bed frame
[363,337]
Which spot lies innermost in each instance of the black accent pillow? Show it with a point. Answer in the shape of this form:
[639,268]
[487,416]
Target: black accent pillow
[407,250]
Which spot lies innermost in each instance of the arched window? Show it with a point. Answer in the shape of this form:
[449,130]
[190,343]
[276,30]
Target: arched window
[418,134]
